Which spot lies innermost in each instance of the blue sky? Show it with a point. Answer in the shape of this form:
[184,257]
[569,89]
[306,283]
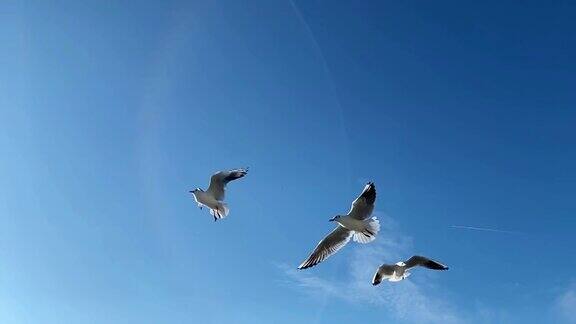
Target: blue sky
[461,112]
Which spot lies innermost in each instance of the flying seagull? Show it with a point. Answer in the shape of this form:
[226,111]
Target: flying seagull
[214,196]
[357,224]
[399,271]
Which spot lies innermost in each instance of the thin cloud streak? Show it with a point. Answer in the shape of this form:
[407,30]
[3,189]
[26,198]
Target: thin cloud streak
[483,229]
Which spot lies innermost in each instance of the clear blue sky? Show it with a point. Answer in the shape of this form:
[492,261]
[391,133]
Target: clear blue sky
[463,113]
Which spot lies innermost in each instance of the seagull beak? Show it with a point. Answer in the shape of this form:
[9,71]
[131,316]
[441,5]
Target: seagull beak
[332,219]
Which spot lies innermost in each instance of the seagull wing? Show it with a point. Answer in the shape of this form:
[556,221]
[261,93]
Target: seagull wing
[384,271]
[424,262]
[328,246]
[363,205]
[219,180]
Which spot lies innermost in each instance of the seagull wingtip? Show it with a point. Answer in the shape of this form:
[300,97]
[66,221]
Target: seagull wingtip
[305,266]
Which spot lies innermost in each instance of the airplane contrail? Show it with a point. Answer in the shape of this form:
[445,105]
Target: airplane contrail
[483,229]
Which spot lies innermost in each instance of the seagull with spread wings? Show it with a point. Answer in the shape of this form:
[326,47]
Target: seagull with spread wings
[357,224]
[399,271]
[214,196]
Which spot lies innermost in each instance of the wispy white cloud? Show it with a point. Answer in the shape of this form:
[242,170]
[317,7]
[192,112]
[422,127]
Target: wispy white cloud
[407,301]
[566,304]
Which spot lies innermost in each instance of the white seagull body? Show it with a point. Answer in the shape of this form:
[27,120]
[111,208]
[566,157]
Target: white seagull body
[399,271]
[213,198]
[357,224]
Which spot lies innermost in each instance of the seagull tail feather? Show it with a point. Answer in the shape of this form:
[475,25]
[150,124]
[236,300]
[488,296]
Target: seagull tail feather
[220,211]
[223,209]
[369,234]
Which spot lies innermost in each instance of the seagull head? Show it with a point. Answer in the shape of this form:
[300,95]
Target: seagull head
[401,264]
[335,218]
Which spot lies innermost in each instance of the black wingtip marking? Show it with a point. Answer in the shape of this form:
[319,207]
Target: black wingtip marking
[306,266]
[369,193]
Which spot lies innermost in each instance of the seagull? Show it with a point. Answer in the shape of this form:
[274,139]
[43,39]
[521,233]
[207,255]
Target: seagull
[399,271]
[214,196]
[357,224]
